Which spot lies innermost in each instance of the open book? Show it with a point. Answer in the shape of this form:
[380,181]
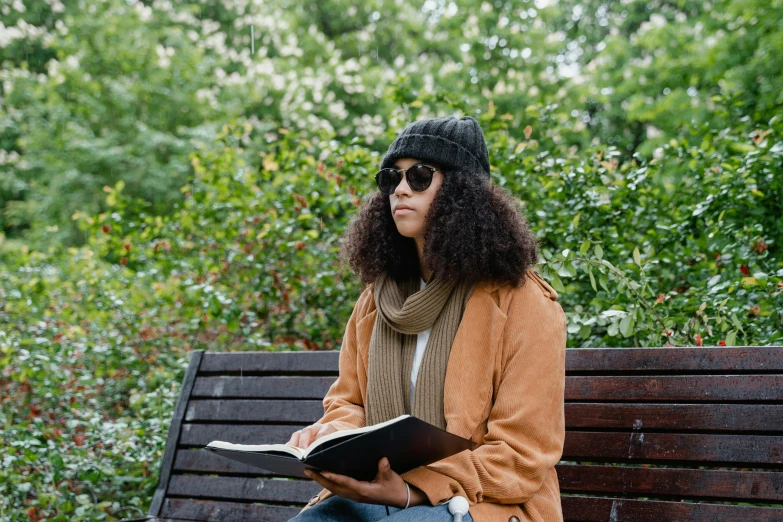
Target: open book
[408,442]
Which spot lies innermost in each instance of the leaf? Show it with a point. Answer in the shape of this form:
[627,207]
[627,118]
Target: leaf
[602,282]
[731,338]
[556,283]
[592,278]
[599,252]
[584,331]
[613,329]
[584,247]
[626,325]
[637,258]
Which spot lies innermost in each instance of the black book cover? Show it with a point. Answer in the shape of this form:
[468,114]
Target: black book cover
[408,442]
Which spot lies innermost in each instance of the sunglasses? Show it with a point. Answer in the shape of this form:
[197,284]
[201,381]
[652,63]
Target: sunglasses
[419,178]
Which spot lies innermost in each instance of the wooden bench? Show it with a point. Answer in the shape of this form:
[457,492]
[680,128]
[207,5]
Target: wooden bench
[653,434]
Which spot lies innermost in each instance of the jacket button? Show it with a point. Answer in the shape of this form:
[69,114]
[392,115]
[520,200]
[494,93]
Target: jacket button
[513,519]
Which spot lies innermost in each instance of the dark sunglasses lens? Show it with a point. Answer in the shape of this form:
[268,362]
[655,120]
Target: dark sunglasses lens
[419,178]
[387,180]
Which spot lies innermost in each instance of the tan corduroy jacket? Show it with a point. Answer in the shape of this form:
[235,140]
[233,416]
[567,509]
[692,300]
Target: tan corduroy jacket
[504,389]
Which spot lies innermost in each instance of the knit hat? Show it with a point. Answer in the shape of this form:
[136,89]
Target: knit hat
[454,143]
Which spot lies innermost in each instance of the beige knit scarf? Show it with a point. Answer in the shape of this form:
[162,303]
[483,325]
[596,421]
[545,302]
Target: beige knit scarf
[403,312]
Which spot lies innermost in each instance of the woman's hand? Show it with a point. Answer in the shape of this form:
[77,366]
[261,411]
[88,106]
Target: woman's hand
[306,436]
[386,488]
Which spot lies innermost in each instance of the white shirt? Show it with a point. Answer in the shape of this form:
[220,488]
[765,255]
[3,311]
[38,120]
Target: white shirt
[421,344]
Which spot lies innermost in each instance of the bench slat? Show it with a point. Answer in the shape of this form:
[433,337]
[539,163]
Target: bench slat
[202,461]
[227,511]
[270,362]
[614,360]
[679,447]
[761,486]
[263,387]
[593,509]
[579,416]
[202,434]
[757,485]
[731,417]
[697,388]
[704,358]
[676,417]
[242,489]
[255,410]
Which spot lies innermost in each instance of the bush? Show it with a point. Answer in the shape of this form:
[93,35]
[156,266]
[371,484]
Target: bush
[680,250]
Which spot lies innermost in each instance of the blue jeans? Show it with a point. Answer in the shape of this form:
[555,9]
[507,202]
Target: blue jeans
[339,509]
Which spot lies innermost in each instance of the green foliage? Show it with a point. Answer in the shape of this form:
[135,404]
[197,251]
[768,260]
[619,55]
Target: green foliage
[683,249]
[122,90]
[643,138]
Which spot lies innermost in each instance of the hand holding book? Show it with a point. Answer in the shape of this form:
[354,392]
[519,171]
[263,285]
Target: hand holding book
[407,442]
[386,488]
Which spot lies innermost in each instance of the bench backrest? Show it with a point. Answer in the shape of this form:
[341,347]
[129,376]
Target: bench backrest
[652,434]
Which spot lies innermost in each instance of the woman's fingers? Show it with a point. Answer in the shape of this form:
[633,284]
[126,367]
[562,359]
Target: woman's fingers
[306,436]
[332,484]
[294,440]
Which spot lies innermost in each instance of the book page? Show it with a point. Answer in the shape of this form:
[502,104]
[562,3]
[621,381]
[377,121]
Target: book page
[297,452]
[349,433]
[258,448]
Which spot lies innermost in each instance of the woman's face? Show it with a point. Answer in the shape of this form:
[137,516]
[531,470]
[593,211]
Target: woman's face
[410,223]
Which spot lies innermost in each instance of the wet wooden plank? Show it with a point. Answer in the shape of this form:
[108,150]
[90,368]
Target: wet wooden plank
[202,434]
[248,363]
[243,489]
[759,486]
[579,416]
[698,388]
[592,509]
[202,461]
[684,359]
[174,429]
[240,410]
[262,387]
[676,417]
[677,447]
[227,511]
[613,360]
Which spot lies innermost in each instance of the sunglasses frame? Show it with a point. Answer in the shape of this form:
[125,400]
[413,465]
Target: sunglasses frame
[403,176]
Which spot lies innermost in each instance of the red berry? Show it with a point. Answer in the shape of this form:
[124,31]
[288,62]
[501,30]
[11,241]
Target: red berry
[721,343]
[126,246]
[106,228]
[745,270]
[124,261]
[699,340]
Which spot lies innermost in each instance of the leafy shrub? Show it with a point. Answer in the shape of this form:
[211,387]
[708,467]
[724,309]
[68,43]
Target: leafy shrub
[682,250]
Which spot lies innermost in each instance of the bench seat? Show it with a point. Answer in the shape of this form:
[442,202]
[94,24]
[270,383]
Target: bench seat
[653,434]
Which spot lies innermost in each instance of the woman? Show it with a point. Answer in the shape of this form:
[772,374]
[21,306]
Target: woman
[453,327]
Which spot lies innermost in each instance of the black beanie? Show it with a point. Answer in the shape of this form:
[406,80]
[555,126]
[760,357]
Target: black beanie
[454,143]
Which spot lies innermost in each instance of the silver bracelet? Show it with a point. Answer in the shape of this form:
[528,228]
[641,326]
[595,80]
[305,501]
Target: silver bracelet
[409,495]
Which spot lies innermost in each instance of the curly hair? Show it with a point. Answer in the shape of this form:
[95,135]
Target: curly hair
[474,231]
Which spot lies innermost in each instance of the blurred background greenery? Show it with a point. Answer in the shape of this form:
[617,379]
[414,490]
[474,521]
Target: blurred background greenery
[176,175]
